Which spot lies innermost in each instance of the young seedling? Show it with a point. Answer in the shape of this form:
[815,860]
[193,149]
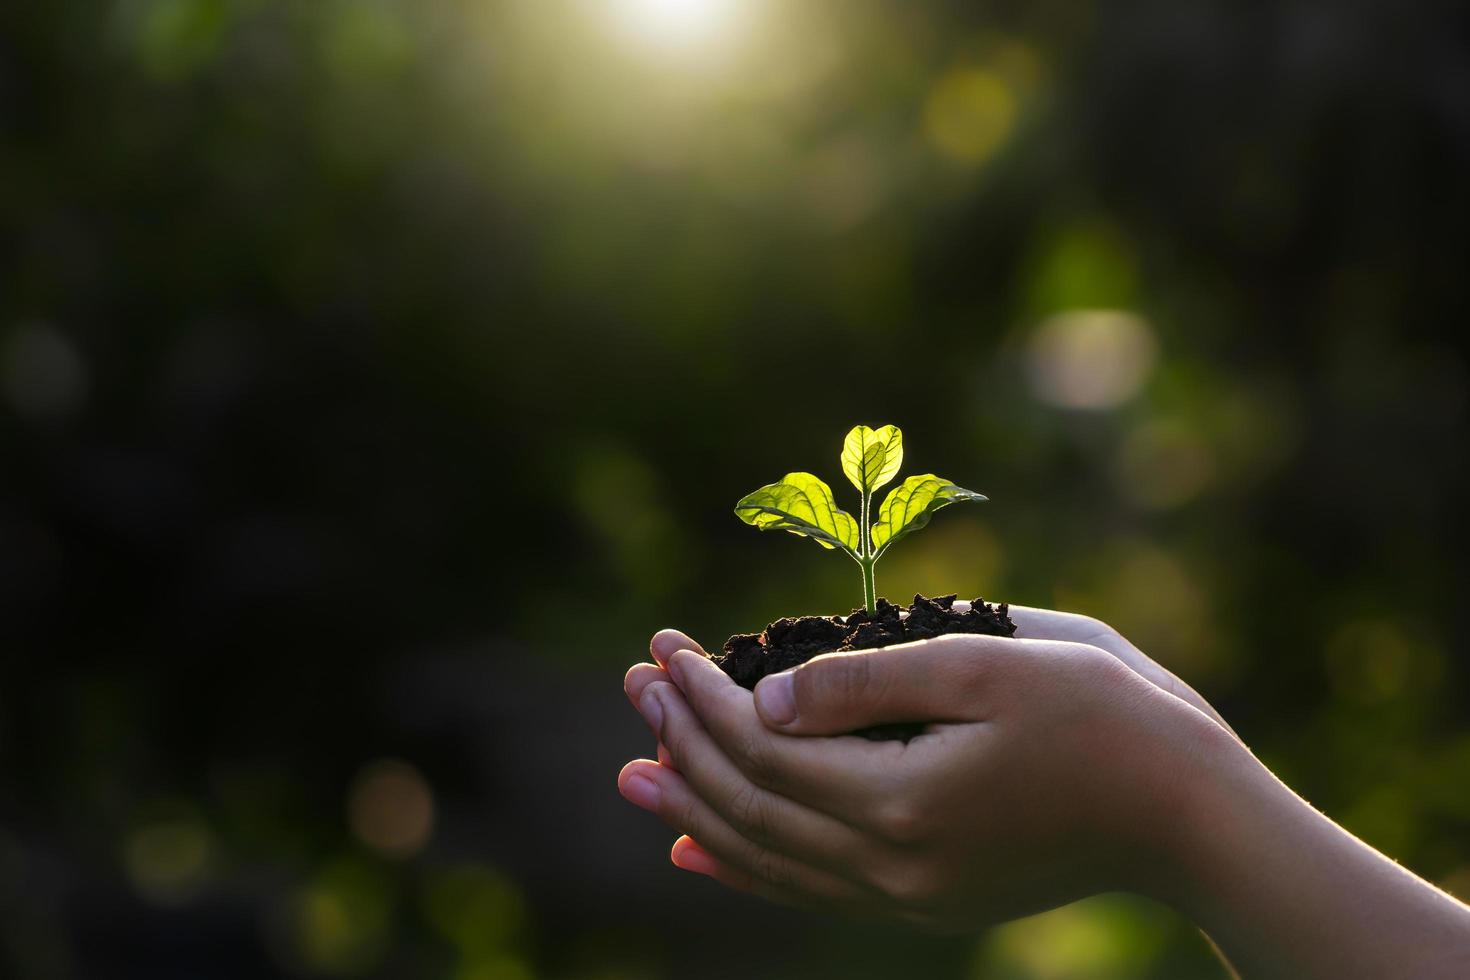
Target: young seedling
[802,504]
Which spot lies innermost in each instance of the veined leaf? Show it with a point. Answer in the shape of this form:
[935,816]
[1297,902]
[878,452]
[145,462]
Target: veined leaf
[870,457]
[909,506]
[801,504]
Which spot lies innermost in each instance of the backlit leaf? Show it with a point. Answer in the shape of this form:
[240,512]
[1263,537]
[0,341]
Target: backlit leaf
[909,506]
[870,457]
[802,504]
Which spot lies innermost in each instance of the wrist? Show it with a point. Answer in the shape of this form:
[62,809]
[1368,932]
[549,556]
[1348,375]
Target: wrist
[1195,833]
[1239,865]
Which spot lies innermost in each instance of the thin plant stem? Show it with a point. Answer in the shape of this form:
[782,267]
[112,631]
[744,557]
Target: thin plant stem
[867,561]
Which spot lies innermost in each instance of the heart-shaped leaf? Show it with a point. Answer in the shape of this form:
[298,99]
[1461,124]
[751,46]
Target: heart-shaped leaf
[870,457]
[802,504]
[909,506]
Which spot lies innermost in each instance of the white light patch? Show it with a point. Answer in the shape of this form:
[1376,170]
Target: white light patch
[676,23]
[1091,359]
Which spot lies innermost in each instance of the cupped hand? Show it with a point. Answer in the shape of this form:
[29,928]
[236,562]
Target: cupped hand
[1051,624]
[1049,769]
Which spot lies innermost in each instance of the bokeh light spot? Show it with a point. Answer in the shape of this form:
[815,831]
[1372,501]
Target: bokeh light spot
[340,922]
[1090,359]
[476,908]
[1163,463]
[1156,599]
[168,860]
[968,115]
[391,808]
[1369,661]
[961,556]
[1087,263]
[1097,939]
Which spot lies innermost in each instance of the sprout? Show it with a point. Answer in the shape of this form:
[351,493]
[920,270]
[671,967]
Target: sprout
[802,504]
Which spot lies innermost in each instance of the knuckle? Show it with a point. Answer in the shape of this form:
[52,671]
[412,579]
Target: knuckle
[1101,682]
[856,676]
[753,755]
[968,674]
[750,813]
[684,816]
[679,741]
[902,822]
[773,869]
[1093,627]
[1102,666]
[839,679]
[968,660]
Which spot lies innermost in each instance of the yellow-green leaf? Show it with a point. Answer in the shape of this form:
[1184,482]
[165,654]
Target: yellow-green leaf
[909,506]
[870,457]
[802,504]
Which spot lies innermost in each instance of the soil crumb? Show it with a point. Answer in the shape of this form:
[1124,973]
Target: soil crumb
[792,641]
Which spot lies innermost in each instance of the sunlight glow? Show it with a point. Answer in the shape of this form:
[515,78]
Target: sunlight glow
[676,23]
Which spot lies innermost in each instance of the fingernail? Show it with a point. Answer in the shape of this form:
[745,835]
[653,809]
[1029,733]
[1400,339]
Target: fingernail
[641,791]
[666,642]
[776,698]
[651,710]
[690,857]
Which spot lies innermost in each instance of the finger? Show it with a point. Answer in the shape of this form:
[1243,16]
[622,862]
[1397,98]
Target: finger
[1052,624]
[842,777]
[646,784]
[687,855]
[638,677]
[936,680]
[666,641]
[768,819]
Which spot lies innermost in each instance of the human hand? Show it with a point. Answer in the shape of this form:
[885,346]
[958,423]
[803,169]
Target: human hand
[1031,623]
[1051,624]
[1050,770]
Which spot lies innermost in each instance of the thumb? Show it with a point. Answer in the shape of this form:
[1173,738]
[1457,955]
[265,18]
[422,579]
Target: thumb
[929,681]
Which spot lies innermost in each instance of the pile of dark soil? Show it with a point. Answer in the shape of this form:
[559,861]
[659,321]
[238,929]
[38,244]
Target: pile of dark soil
[789,642]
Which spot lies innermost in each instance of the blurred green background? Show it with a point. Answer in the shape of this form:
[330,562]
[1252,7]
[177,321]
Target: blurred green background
[376,376]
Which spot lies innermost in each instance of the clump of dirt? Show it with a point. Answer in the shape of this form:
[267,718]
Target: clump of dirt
[792,641]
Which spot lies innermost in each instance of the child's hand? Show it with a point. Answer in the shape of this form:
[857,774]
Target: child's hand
[1050,771]
[1054,765]
[1049,624]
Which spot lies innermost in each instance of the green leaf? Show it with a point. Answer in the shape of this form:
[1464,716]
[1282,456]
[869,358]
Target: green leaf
[871,457]
[802,504]
[909,506]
